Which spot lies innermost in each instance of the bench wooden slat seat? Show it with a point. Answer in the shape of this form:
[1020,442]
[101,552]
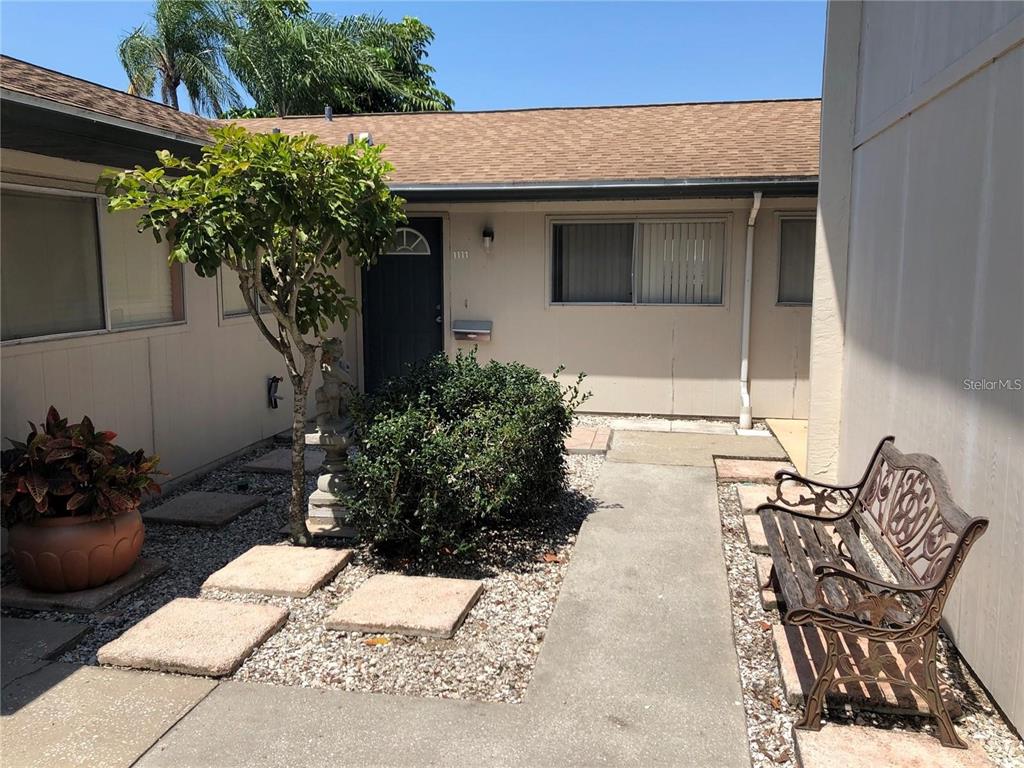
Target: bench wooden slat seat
[819,535]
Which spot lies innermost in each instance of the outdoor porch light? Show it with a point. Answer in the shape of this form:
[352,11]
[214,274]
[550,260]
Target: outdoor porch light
[488,239]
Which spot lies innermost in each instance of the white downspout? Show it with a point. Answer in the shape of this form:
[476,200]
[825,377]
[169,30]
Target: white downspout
[748,274]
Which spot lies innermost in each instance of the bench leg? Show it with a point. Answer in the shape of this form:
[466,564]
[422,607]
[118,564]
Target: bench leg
[947,733]
[811,721]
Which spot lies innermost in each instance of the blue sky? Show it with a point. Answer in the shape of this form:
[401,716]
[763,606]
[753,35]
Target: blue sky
[492,55]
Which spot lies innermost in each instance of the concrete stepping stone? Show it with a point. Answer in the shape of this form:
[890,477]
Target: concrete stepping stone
[29,644]
[801,652]
[203,508]
[753,495]
[426,606]
[279,462]
[85,600]
[588,440]
[641,425]
[748,470]
[689,449]
[282,571]
[855,746]
[195,637]
[702,427]
[91,717]
[756,539]
[763,573]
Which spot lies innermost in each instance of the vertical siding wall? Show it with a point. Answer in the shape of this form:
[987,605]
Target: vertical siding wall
[936,288]
[192,393]
[638,359]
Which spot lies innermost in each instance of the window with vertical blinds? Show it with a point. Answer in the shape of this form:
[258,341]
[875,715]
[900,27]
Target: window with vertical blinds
[680,262]
[796,261]
[593,263]
[639,262]
[68,267]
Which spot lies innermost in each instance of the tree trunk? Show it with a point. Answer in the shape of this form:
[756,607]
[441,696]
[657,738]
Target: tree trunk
[297,529]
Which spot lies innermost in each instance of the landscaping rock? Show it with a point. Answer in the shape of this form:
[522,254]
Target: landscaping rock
[29,643]
[279,462]
[203,508]
[195,637]
[407,605]
[280,570]
[801,652]
[854,746]
[85,600]
[748,470]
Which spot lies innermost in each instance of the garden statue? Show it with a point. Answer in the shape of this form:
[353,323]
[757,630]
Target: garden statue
[333,434]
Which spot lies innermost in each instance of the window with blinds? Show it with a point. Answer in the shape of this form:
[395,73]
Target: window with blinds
[638,262]
[796,261]
[69,268]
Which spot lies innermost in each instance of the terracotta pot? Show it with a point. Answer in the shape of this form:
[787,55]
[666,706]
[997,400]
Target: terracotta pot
[64,554]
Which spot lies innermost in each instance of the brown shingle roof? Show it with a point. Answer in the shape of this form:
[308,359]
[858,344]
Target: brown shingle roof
[39,82]
[724,140]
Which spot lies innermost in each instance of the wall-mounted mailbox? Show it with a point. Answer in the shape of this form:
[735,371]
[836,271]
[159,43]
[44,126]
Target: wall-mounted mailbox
[472,330]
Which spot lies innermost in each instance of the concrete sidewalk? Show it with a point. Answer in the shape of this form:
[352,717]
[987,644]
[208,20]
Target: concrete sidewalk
[638,667]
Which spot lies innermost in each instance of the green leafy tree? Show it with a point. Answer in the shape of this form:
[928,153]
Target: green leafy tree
[280,212]
[292,61]
[182,46]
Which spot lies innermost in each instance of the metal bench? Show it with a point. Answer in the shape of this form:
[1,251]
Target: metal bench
[819,536]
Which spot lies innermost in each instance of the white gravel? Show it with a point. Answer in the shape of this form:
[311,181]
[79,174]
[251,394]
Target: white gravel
[770,718]
[491,657]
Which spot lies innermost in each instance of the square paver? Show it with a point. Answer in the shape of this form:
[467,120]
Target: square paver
[755,534]
[748,470]
[801,652]
[279,462]
[588,440]
[203,508]
[753,495]
[407,605]
[280,570]
[855,746]
[85,600]
[29,643]
[195,637]
[763,572]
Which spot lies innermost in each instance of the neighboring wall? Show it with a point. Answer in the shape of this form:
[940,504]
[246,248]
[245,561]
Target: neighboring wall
[935,283]
[192,392]
[638,359]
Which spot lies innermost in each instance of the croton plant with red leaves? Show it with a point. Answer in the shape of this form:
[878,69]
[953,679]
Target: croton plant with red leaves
[73,469]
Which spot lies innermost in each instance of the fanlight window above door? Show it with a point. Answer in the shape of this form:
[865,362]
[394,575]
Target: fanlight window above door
[408,240]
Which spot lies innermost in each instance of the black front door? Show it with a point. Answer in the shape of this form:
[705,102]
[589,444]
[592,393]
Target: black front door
[401,307]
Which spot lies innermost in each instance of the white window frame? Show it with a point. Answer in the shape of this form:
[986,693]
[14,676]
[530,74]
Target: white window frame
[718,217]
[780,218]
[100,209]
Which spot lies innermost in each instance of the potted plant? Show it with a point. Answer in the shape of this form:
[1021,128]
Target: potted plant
[71,501]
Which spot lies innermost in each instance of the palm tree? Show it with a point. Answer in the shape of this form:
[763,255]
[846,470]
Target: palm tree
[183,47]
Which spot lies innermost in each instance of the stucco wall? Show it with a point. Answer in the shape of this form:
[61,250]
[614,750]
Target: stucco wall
[638,359]
[935,287]
[191,392]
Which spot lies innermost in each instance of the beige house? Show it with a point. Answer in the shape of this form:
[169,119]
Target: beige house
[918,326]
[656,248]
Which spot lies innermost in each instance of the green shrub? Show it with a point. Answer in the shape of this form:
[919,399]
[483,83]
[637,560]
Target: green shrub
[454,447]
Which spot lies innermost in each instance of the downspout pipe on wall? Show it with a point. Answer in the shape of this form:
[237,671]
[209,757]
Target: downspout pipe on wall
[746,422]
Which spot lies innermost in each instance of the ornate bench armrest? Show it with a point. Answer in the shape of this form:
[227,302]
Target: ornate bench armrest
[825,570]
[880,600]
[808,498]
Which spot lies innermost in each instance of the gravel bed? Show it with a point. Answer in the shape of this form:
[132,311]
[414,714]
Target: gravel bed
[491,657]
[770,717]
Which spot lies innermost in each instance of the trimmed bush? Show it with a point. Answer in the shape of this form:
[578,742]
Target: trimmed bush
[454,447]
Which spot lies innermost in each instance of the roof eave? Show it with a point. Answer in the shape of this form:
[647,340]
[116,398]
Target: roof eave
[639,189]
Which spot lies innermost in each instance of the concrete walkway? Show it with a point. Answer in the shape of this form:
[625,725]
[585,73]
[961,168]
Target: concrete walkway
[638,666]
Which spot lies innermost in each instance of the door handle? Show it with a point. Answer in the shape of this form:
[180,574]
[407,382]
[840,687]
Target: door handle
[437,319]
